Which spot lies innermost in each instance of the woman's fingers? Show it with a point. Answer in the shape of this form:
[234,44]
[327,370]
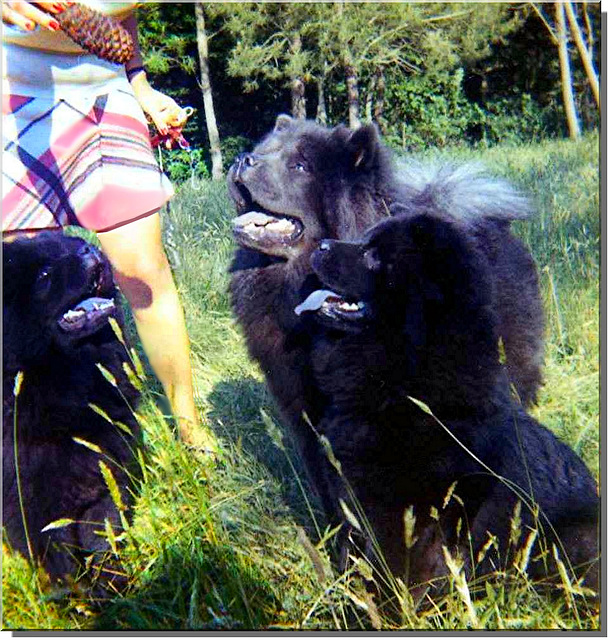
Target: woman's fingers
[159,121]
[161,108]
[26,16]
[54,7]
[15,17]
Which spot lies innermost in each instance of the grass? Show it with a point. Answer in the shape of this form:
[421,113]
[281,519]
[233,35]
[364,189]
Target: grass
[238,545]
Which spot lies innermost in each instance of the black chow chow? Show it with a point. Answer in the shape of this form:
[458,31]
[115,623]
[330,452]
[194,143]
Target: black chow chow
[410,312]
[304,182]
[58,297]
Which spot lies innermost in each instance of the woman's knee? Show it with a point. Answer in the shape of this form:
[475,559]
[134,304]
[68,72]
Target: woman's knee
[139,262]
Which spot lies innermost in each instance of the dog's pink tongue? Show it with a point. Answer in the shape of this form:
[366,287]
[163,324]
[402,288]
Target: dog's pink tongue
[314,301]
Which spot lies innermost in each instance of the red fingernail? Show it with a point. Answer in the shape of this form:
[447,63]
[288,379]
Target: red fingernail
[30,26]
[53,24]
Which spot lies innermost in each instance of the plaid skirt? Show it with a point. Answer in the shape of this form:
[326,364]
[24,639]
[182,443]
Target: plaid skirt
[83,160]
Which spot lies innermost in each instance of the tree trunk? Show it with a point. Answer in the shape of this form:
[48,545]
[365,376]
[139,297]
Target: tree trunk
[352,96]
[566,73]
[297,94]
[380,102]
[321,115]
[588,28]
[370,97]
[585,56]
[297,85]
[206,90]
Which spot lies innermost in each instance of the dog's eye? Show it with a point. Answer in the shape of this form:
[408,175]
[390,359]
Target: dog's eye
[371,260]
[43,281]
[301,167]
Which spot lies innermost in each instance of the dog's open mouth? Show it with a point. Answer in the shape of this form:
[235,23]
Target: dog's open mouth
[267,232]
[87,316]
[258,228]
[90,313]
[333,306]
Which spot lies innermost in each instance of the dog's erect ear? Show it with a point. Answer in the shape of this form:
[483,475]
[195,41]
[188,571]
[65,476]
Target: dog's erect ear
[363,146]
[339,137]
[282,122]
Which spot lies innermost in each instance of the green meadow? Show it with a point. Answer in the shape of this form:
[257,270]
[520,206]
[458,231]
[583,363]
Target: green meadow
[239,542]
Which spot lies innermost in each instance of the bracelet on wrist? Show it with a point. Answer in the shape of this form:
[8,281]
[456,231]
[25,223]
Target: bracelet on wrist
[133,72]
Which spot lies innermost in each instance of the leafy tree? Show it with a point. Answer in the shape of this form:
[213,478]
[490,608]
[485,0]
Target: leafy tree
[269,46]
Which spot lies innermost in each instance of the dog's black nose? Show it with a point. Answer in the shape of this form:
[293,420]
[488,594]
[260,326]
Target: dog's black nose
[91,256]
[89,251]
[85,249]
[249,159]
[241,163]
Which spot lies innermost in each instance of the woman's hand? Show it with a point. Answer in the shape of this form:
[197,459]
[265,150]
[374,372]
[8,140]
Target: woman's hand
[26,15]
[166,114]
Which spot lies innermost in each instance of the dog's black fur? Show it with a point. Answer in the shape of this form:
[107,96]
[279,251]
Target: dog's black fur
[413,314]
[334,183]
[57,356]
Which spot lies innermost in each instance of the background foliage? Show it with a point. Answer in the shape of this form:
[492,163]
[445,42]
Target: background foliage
[452,73]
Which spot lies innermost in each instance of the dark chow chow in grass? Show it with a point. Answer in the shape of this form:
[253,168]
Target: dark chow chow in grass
[305,182]
[58,298]
[410,312]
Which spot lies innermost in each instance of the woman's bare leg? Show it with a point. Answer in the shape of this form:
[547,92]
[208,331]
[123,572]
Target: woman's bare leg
[142,272]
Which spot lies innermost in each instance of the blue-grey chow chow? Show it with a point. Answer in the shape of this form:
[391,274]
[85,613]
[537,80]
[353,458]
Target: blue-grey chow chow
[410,312]
[305,182]
[58,297]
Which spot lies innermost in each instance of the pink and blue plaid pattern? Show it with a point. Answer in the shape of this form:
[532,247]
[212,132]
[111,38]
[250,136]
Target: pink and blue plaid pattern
[87,162]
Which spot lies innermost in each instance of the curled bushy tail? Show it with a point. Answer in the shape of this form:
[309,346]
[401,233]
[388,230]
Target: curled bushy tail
[463,191]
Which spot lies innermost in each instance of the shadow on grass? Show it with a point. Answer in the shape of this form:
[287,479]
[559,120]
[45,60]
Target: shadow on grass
[198,585]
[201,581]
[236,416]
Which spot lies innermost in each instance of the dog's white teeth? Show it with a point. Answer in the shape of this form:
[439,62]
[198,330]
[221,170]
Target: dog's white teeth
[102,305]
[257,218]
[259,226]
[254,229]
[349,306]
[73,315]
[281,226]
[257,215]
